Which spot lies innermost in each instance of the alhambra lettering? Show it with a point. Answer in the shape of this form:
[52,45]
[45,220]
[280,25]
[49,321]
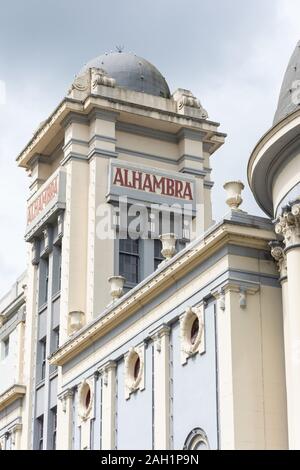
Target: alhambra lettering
[151,183]
[42,201]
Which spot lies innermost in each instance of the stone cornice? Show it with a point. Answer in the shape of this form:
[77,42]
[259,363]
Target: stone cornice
[112,105]
[11,395]
[51,125]
[278,143]
[196,253]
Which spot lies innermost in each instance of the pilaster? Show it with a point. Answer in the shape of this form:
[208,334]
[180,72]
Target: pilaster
[108,431]
[161,351]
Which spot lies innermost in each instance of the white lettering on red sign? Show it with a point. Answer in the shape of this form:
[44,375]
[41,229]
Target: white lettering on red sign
[153,184]
[42,201]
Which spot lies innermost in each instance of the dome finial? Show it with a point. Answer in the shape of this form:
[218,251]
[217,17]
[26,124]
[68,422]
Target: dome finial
[120,49]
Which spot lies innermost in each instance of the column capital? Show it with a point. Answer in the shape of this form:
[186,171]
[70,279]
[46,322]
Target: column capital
[160,331]
[288,225]
[279,255]
[66,395]
[105,369]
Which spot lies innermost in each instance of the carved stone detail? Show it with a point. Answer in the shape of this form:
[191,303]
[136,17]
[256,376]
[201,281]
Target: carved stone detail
[89,81]
[134,382]
[85,406]
[189,348]
[277,252]
[100,77]
[186,99]
[67,395]
[288,226]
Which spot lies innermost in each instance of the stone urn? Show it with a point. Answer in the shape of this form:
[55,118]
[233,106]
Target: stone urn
[76,321]
[234,190]
[116,287]
[168,241]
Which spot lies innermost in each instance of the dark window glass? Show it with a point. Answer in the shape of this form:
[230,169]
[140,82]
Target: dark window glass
[5,348]
[137,367]
[129,260]
[46,280]
[54,426]
[88,399]
[43,357]
[194,330]
[40,432]
[59,266]
[56,338]
[158,257]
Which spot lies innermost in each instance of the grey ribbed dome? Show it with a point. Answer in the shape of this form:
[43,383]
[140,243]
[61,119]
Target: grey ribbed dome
[131,71]
[287,103]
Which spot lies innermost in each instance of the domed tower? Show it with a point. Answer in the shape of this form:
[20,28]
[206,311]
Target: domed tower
[119,133]
[274,177]
[132,72]
[116,171]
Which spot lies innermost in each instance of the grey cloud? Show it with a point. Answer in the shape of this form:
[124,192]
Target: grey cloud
[230,53]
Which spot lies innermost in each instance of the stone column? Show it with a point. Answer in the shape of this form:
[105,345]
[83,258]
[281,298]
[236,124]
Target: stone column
[108,373]
[161,339]
[289,227]
[278,253]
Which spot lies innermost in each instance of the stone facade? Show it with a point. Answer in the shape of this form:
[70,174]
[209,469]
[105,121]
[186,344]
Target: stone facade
[179,338]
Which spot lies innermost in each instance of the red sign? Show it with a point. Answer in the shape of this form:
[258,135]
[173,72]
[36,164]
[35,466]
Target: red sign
[153,184]
[42,201]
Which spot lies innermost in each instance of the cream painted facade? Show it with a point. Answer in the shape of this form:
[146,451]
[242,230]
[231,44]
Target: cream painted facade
[184,337]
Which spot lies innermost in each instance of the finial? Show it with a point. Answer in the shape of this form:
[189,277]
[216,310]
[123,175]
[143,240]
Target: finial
[234,190]
[120,49]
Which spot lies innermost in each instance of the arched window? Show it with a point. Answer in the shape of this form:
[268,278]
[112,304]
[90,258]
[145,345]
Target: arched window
[196,440]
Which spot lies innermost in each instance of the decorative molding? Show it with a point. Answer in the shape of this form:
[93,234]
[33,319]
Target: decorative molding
[146,132]
[85,411]
[104,138]
[186,101]
[196,440]
[74,117]
[219,295]
[104,114]
[209,184]
[104,370]
[157,334]
[190,348]
[279,255]
[64,397]
[12,394]
[219,236]
[134,383]
[288,226]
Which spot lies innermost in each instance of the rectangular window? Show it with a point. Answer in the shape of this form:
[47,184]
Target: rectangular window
[53,426]
[59,268]
[46,285]
[42,358]
[129,260]
[40,432]
[5,348]
[56,278]
[158,257]
[55,339]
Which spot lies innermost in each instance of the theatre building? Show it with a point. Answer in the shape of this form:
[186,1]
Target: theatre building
[140,322]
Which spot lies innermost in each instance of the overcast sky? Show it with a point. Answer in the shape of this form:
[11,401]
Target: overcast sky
[231,53]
